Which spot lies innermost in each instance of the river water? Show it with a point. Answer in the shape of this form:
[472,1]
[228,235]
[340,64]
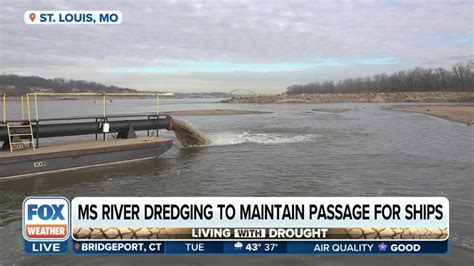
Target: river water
[367,151]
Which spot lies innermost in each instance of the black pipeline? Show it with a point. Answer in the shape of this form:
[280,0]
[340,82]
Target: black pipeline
[86,128]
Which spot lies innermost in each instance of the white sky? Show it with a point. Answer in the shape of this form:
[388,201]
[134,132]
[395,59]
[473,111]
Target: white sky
[199,46]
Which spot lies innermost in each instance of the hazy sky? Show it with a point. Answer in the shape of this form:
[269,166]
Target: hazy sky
[186,46]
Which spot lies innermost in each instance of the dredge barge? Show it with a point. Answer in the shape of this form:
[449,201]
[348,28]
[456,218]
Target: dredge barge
[22,153]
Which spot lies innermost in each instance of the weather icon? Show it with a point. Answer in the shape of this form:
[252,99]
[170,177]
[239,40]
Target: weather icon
[238,245]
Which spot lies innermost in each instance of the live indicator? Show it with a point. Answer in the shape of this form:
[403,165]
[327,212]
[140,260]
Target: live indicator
[46,247]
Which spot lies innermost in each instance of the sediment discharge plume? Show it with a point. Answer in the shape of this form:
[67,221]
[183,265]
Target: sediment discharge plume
[188,135]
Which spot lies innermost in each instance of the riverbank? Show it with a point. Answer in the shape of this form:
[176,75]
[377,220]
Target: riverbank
[397,97]
[462,114]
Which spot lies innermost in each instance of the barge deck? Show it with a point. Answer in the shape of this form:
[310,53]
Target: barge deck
[61,157]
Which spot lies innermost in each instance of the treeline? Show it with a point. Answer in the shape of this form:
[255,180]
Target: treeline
[14,85]
[459,78]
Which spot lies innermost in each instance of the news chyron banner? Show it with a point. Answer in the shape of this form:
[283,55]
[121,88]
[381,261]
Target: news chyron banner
[236,225]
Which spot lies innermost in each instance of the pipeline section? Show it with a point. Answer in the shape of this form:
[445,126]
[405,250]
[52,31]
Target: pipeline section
[86,128]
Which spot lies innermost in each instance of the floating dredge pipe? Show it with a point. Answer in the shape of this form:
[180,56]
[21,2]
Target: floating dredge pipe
[86,128]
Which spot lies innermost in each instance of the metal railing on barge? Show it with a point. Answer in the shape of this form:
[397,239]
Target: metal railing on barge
[104,96]
[4,107]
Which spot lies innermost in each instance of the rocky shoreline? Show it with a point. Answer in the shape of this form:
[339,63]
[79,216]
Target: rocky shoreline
[396,97]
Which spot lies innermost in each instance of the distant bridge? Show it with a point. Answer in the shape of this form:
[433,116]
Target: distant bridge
[247,90]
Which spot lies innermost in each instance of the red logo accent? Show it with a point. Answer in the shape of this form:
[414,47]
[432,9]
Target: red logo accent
[46,231]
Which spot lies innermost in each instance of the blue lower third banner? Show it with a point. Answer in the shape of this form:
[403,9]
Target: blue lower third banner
[260,247]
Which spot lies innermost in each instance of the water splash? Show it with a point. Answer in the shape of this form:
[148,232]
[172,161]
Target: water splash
[259,138]
[189,136]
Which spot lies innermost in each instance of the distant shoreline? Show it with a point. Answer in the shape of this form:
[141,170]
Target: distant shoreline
[395,97]
[55,98]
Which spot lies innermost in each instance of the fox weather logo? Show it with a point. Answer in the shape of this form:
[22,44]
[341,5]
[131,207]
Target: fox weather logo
[45,220]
